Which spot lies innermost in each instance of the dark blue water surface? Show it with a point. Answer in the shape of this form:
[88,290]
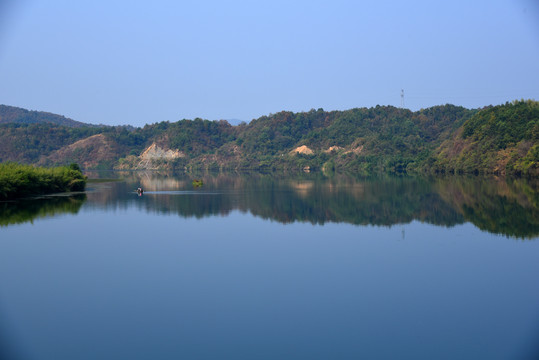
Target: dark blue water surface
[273,267]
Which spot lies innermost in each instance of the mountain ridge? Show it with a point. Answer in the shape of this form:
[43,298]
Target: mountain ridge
[363,140]
[17,115]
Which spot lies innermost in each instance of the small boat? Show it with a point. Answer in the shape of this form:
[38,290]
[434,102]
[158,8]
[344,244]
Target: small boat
[140,191]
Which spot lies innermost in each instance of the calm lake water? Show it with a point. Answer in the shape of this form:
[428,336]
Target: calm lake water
[273,267]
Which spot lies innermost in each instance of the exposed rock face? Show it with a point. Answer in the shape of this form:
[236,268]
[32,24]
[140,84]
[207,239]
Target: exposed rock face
[151,157]
[154,152]
[302,150]
[333,148]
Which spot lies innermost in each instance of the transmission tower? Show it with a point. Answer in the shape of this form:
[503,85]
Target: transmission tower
[402,98]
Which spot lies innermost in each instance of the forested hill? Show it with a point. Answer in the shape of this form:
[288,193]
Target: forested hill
[499,139]
[444,138]
[15,115]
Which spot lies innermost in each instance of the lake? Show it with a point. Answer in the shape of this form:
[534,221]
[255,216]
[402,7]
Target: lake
[273,266]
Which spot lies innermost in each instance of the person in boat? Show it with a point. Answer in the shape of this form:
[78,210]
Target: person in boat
[140,191]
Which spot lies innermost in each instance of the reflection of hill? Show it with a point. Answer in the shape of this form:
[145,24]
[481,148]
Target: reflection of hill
[28,210]
[498,206]
[369,202]
[503,207]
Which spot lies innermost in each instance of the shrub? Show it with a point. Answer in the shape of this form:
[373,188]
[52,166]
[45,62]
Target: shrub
[17,181]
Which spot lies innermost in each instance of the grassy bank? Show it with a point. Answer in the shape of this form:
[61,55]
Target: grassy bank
[18,181]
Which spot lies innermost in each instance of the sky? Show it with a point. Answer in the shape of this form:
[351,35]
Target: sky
[121,62]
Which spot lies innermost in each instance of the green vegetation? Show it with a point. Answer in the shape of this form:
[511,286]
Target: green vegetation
[501,139]
[498,139]
[28,143]
[197,183]
[19,181]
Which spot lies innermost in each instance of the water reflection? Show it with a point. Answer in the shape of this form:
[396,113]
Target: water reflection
[21,211]
[501,206]
[508,207]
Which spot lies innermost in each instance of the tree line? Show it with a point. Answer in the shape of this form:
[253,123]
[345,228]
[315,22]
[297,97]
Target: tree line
[496,139]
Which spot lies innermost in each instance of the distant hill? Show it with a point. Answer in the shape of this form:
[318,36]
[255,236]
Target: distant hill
[500,139]
[15,115]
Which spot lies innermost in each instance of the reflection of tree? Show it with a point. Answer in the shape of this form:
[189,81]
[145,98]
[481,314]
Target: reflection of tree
[22,211]
[508,207]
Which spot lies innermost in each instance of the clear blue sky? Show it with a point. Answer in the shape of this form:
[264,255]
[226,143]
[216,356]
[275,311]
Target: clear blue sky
[137,62]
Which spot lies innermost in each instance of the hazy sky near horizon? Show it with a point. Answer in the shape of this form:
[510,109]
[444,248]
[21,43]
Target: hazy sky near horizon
[129,62]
